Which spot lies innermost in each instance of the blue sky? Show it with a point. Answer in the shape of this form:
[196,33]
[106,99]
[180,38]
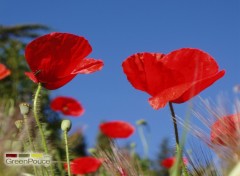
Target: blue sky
[118,29]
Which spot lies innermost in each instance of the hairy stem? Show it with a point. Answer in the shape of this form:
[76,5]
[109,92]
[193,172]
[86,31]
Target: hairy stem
[25,118]
[35,111]
[28,132]
[37,119]
[67,152]
[59,164]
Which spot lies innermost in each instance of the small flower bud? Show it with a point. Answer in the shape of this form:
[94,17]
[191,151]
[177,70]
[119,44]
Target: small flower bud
[133,145]
[141,122]
[19,124]
[24,108]
[236,88]
[66,125]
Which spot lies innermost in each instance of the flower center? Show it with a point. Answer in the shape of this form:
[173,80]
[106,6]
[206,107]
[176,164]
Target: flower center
[37,72]
[65,108]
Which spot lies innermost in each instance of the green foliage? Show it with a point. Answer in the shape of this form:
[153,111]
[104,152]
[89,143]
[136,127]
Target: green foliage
[17,88]
[103,142]
[12,43]
[31,31]
[77,144]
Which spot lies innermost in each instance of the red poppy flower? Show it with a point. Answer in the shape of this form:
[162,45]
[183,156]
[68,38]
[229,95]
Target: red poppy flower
[117,129]
[67,105]
[175,77]
[4,72]
[56,58]
[84,165]
[225,131]
[169,162]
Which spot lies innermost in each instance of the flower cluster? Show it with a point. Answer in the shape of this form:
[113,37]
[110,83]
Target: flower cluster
[56,58]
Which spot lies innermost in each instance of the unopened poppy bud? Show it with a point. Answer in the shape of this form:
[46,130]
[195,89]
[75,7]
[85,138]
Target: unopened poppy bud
[66,125]
[133,145]
[236,88]
[24,108]
[141,122]
[19,124]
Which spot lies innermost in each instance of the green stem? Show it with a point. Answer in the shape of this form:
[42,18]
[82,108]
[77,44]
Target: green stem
[178,147]
[25,118]
[184,171]
[67,152]
[37,119]
[35,112]
[174,123]
[143,139]
[59,164]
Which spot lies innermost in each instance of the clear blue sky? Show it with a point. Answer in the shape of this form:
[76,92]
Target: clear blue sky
[118,29]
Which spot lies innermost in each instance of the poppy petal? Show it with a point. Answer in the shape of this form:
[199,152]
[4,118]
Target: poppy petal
[133,67]
[197,66]
[225,131]
[193,63]
[88,66]
[31,76]
[4,72]
[84,165]
[117,129]
[56,55]
[145,72]
[58,82]
[160,100]
[198,86]
[175,77]
[168,162]
[67,105]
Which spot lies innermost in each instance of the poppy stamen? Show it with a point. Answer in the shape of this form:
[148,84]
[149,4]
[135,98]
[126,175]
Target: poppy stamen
[37,72]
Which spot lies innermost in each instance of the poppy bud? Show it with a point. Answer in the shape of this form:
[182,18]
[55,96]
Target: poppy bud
[141,122]
[24,108]
[236,88]
[19,124]
[66,125]
[133,145]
